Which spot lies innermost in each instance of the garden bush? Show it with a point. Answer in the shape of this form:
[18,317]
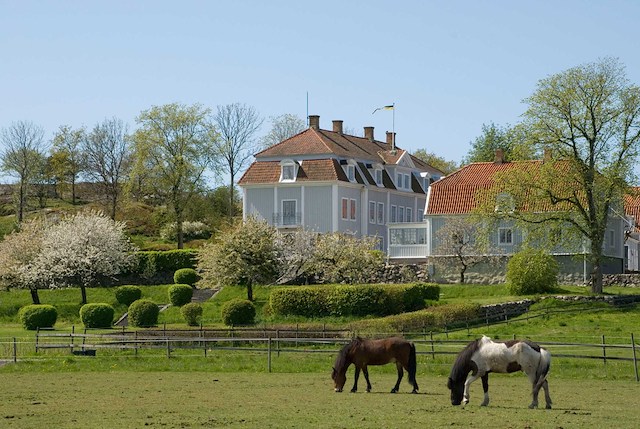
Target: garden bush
[180,294]
[186,276]
[143,313]
[153,261]
[190,231]
[97,315]
[238,312]
[359,301]
[192,313]
[307,301]
[127,294]
[532,271]
[38,316]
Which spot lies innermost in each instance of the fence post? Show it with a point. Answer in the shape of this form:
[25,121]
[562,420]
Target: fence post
[37,335]
[635,360]
[604,351]
[135,342]
[168,348]
[15,351]
[73,331]
[84,338]
[269,354]
[278,342]
[433,351]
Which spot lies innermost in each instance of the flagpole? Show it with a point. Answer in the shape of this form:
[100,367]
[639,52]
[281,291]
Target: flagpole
[393,127]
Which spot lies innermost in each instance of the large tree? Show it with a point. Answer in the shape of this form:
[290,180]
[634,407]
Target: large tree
[107,151]
[24,148]
[588,120]
[237,125]
[67,156]
[282,128]
[447,167]
[511,140]
[175,147]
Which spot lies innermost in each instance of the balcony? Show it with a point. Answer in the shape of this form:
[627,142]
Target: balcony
[287,220]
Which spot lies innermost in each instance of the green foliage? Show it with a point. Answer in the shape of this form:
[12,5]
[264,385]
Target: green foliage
[358,300]
[143,313]
[238,312]
[180,294]
[191,230]
[447,167]
[532,271]
[192,313]
[150,262]
[308,301]
[127,294]
[187,276]
[97,315]
[38,316]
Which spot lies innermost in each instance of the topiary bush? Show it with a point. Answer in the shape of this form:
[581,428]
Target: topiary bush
[127,294]
[192,313]
[238,312]
[180,295]
[532,271]
[143,313]
[97,315]
[185,276]
[38,316]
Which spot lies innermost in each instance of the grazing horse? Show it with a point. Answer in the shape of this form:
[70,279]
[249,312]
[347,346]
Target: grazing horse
[363,352]
[482,356]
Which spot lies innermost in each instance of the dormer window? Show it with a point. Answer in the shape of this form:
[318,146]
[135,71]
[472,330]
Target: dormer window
[349,167]
[378,176]
[403,181]
[289,171]
[407,181]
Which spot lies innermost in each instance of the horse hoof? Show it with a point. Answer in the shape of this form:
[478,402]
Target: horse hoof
[353,390]
[368,390]
[414,391]
[484,404]
[532,406]
[548,407]
[394,391]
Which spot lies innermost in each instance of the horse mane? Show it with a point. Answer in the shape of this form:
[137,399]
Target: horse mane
[461,366]
[343,354]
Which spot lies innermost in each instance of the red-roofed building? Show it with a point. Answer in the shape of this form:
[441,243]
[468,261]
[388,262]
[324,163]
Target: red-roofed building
[329,181]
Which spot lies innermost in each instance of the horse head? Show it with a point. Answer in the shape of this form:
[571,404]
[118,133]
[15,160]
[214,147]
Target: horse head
[339,379]
[457,391]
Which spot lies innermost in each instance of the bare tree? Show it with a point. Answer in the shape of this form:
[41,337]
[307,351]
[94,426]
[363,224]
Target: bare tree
[107,158]
[24,146]
[237,125]
[67,157]
[282,127]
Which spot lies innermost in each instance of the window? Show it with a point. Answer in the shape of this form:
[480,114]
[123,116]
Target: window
[612,238]
[420,216]
[351,173]
[399,180]
[345,212]
[378,177]
[407,181]
[505,236]
[288,171]
[381,213]
[372,212]
[394,217]
[409,214]
[289,212]
[400,214]
[352,211]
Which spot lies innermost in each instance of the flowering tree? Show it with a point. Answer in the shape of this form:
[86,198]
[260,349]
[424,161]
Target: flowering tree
[341,258]
[18,251]
[83,249]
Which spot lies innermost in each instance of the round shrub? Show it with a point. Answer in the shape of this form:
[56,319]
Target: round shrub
[38,316]
[127,294]
[180,295]
[192,313]
[185,276]
[531,271]
[143,313]
[97,315]
[238,312]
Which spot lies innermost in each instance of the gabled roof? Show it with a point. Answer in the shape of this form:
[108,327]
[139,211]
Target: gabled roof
[632,204]
[313,170]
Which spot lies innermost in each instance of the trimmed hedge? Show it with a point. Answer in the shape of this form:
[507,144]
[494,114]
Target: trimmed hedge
[351,300]
[185,276]
[180,295]
[192,313]
[37,316]
[143,313]
[153,261]
[127,294]
[238,312]
[97,315]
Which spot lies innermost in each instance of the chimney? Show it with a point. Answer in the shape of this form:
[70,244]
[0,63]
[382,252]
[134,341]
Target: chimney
[368,133]
[547,155]
[499,159]
[337,127]
[391,141]
[314,122]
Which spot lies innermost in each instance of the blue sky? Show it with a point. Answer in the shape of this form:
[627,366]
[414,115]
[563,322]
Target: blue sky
[449,66]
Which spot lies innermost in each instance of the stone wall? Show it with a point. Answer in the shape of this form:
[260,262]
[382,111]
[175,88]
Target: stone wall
[628,280]
[502,311]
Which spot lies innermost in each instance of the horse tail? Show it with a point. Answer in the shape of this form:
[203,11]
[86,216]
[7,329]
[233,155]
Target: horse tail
[543,367]
[412,365]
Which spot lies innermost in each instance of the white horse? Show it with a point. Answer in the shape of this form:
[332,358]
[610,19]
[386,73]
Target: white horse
[482,356]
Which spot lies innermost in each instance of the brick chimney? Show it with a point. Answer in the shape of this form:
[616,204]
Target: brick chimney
[499,159]
[391,138]
[314,122]
[368,133]
[337,127]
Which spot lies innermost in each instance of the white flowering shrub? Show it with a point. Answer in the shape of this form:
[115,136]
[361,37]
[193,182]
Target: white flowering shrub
[190,231]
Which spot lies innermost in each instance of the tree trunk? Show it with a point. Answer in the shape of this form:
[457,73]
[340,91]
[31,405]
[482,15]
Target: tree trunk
[249,290]
[73,191]
[83,290]
[34,296]
[462,277]
[596,269]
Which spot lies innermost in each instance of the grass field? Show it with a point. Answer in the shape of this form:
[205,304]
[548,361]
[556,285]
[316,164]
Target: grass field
[195,399]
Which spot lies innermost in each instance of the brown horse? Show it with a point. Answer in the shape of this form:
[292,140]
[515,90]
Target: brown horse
[362,352]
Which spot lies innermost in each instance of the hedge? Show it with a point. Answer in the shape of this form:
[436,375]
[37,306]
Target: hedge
[143,313]
[180,295]
[127,294]
[97,315]
[351,300]
[38,316]
[163,261]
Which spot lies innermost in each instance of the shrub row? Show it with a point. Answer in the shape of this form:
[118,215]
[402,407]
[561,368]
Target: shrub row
[162,261]
[348,300]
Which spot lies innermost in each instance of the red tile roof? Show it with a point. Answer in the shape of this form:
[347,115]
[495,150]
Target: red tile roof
[312,170]
[632,205]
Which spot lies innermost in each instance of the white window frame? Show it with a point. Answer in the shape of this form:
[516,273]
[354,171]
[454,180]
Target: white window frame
[344,209]
[295,211]
[285,165]
[380,214]
[409,214]
[420,217]
[351,172]
[400,214]
[407,181]
[372,212]
[353,209]
[394,214]
[378,176]
[506,230]
[399,180]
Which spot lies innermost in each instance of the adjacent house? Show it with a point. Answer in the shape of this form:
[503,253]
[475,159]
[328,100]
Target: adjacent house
[455,196]
[329,181]
[632,235]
